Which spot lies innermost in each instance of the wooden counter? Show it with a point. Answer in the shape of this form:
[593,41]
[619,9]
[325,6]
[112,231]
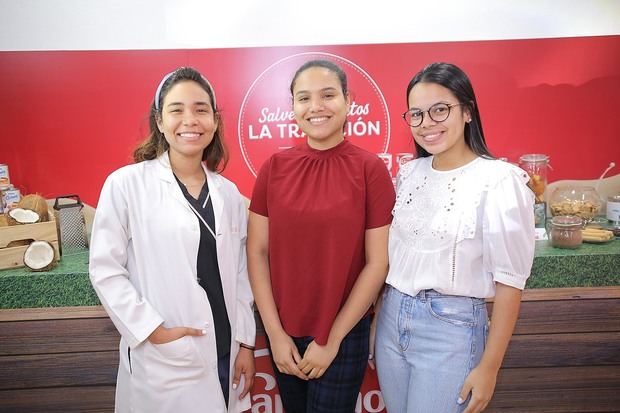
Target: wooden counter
[564,356]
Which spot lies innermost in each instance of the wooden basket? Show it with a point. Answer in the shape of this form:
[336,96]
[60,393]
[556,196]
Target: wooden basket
[12,257]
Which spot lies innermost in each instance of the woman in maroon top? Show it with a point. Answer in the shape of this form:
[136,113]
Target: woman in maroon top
[317,248]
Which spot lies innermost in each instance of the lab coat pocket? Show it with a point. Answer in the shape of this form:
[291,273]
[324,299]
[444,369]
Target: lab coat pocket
[178,352]
[173,365]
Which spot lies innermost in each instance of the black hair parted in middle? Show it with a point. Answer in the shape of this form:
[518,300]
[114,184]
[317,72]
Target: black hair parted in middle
[326,64]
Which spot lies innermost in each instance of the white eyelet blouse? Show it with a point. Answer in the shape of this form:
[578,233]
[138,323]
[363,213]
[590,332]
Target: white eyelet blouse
[460,231]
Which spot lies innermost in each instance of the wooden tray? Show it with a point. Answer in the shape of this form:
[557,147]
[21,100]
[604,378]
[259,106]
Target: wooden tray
[11,257]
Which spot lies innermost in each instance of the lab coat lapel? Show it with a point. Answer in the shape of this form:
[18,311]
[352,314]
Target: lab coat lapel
[165,174]
[214,182]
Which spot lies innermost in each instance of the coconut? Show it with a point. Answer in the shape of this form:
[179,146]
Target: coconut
[18,216]
[36,203]
[39,256]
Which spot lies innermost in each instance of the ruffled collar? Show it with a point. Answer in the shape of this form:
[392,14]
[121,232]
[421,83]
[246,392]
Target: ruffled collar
[324,153]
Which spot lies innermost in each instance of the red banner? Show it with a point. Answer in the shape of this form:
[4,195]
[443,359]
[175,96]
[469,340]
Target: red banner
[70,118]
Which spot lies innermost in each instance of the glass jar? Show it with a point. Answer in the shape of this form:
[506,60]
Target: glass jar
[581,201]
[613,213]
[535,164]
[613,210]
[565,232]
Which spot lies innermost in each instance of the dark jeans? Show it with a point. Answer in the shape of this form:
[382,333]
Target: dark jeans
[337,390]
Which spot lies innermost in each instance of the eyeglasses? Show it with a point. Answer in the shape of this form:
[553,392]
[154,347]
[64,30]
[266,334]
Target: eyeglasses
[438,112]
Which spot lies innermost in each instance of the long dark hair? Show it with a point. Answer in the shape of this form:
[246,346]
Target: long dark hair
[454,79]
[325,64]
[215,155]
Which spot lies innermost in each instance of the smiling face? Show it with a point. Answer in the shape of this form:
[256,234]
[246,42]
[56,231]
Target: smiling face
[320,107]
[444,140]
[188,120]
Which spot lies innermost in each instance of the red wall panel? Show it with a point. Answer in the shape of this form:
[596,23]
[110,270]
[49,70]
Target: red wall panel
[70,118]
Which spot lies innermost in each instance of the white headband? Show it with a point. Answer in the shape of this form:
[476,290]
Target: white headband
[161,84]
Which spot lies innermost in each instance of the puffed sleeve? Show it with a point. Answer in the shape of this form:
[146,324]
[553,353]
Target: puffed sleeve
[133,316]
[258,205]
[246,324]
[508,229]
[380,195]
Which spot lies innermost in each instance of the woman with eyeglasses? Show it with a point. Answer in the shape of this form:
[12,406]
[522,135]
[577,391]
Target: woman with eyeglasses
[463,231]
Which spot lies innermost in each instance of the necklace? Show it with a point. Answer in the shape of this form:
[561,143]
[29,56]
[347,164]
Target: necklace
[203,178]
[192,185]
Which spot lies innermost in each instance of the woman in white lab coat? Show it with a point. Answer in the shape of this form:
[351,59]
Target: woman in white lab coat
[168,262]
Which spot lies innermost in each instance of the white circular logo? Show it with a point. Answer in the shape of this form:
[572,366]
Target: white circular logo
[267,124]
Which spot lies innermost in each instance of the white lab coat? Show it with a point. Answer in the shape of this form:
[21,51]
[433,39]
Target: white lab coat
[143,259]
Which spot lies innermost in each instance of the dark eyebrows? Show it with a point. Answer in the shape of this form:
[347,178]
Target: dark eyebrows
[436,103]
[200,103]
[327,89]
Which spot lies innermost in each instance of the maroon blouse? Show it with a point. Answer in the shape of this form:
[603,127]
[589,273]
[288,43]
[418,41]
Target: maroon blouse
[319,205]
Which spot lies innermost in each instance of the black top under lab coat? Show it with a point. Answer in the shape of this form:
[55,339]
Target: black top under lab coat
[207,266]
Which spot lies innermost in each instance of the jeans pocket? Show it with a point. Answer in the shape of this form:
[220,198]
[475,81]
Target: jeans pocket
[457,311]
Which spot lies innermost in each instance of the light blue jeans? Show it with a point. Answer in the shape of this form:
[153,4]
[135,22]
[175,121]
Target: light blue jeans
[425,347]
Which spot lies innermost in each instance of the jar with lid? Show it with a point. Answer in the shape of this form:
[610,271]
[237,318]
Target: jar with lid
[581,201]
[535,164]
[565,232]
[613,213]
